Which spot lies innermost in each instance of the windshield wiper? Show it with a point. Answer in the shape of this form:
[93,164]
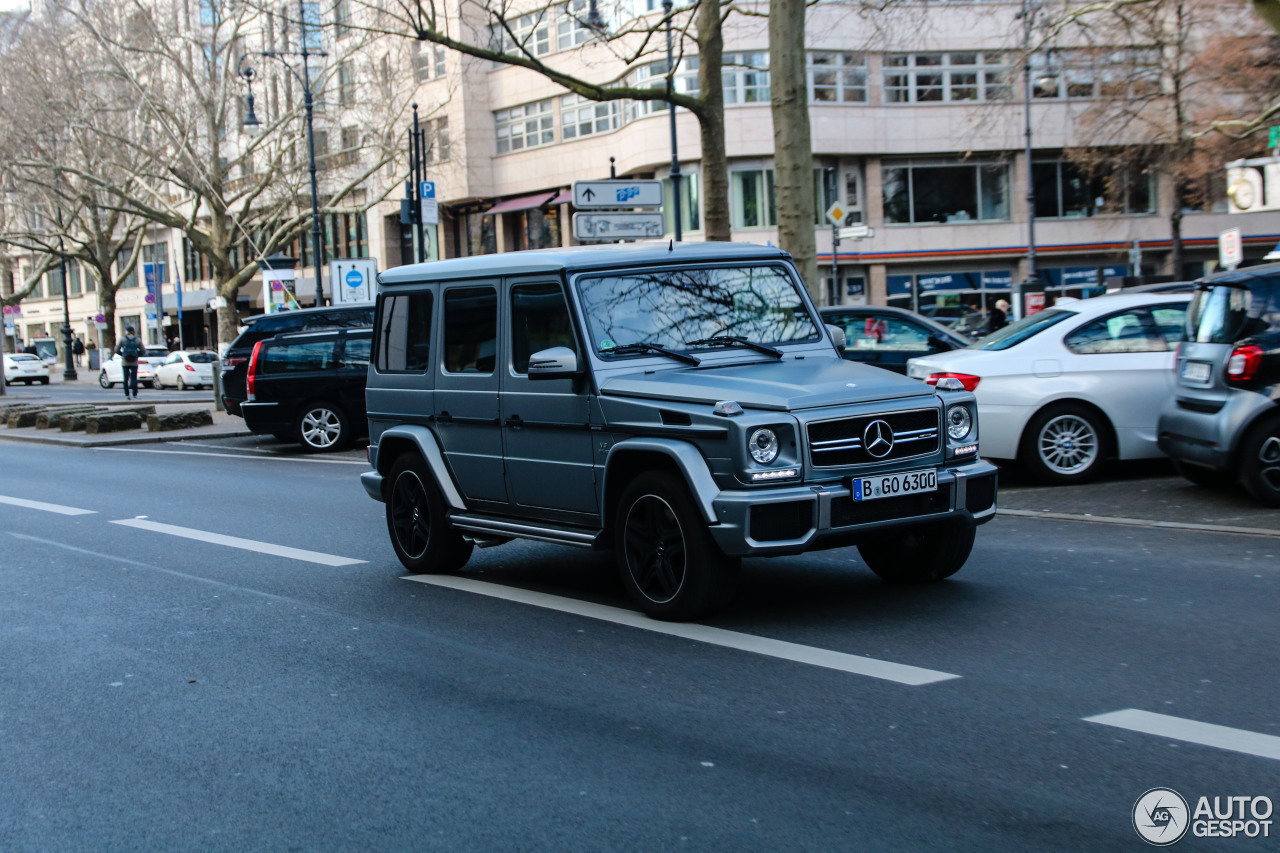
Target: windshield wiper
[627,349]
[737,339]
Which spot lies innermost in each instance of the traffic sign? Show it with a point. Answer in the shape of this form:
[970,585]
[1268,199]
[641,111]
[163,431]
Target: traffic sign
[619,225]
[149,298]
[617,194]
[855,232]
[99,318]
[430,211]
[836,213]
[426,189]
[1230,248]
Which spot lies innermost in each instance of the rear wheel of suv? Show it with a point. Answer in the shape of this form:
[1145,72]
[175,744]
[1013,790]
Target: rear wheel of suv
[1064,445]
[921,555]
[1260,461]
[323,427]
[669,563]
[416,520]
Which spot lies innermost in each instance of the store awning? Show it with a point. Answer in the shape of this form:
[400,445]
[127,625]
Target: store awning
[527,202]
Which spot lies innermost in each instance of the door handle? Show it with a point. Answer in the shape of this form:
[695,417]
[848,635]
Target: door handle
[514,421]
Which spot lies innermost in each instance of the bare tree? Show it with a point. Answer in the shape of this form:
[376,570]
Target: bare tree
[792,141]
[236,199]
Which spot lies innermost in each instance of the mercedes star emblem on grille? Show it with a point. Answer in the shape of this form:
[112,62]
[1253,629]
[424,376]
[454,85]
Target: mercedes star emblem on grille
[877,438]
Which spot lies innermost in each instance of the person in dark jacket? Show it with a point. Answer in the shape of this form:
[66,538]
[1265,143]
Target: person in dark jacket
[998,317]
[129,349]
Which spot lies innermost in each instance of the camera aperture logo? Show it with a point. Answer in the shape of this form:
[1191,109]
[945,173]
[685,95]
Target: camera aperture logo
[1160,816]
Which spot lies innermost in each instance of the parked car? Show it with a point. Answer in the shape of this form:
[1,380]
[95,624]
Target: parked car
[309,387]
[187,369]
[887,337]
[113,368]
[235,361]
[682,405]
[26,368]
[1223,422]
[1066,389]
[962,318]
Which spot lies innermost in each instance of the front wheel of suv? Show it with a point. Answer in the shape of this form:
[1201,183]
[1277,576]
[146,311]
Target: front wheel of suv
[1260,461]
[669,563]
[922,554]
[417,522]
[323,427]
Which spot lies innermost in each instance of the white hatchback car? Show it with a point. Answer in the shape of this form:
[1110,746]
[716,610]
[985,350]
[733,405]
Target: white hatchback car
[187,369]
[1063,390]
[21,367]
[113,371]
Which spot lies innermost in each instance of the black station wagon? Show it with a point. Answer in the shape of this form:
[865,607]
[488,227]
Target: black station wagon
[682,405]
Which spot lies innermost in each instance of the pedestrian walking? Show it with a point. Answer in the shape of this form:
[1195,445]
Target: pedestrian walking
[129,350]
[998,318]
[77,349]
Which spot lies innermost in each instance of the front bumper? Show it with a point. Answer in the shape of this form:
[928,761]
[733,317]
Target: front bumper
[797,519]
[1198,432]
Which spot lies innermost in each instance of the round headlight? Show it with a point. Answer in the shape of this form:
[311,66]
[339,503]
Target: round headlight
[763,445]
[959,423]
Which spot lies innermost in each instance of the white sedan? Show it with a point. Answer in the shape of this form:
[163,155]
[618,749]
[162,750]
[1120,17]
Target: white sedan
[21,367]
[187,369]
[113,369]
[1063,390]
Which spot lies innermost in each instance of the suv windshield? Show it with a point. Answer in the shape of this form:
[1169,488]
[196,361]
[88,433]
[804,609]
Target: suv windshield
[1217,314]
[1015,333]
[673,308]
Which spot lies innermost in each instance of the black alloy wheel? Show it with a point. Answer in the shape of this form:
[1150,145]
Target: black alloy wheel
[670,565]
[1260,461]
[417,522]
[921,554]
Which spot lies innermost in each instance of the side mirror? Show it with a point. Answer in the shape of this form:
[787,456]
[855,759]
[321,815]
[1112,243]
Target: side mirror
[554,363]
[837,336]
[937,344]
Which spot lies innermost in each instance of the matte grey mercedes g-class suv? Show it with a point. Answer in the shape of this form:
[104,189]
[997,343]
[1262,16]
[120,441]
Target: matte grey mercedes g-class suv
[681,404]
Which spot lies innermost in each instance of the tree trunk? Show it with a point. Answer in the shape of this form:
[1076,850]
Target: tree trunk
[715,164]
[793,147]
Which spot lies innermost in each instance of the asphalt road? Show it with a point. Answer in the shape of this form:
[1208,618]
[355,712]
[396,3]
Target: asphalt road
[218,651]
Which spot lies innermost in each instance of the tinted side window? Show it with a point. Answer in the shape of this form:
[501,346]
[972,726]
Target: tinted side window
[1123,332]
[296,357]
[1169,320]
[471,329]
[355,354]
[539,320]
[404,334]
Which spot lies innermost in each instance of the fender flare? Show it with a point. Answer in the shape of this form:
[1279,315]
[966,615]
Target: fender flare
[687,458]
[429,448]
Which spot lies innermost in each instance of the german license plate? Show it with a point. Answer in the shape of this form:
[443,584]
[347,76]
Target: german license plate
[1195,371]
[893,485]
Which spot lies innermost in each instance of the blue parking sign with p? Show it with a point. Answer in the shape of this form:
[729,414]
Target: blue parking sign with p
[426,189]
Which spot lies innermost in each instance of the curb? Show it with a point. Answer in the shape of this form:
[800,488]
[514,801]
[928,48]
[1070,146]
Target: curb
[1140,522]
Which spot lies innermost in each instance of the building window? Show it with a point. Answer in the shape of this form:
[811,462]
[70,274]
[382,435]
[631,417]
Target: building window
[341,18]
[529,34]
[654,76]
[350,152]
[436,131]
[690,207]
[836,78]
[122,258]
[923,193]
[428,61]
[957,77]
[314,39]
[1065,191]
[581,117]
[320,141]
[752,199]
[746,78]
[528,126]
[346,84]
[1079,74]
[156,253]
[571,29]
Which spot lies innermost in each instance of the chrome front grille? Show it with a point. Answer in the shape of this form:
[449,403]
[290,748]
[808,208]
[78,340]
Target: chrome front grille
[866,439]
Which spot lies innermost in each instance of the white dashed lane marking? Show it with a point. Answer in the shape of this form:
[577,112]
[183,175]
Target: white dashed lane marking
[44,507]
[901,673]
[1192,731]
[237,542]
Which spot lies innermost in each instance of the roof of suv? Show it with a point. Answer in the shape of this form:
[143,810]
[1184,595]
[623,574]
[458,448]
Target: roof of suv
[573,258]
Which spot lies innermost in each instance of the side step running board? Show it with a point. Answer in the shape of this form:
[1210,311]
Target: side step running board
[503,528]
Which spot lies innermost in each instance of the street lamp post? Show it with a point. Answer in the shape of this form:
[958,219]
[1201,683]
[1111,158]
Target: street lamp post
[252,124]
[671,108]
[69,371]
[1032,279]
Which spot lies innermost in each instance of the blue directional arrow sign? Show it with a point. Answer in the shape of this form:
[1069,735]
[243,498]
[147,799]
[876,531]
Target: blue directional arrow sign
[617,194]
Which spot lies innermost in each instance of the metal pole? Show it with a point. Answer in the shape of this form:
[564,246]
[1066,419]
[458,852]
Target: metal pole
[316,244]
[1031,190]
[416,152]
[837,296]
[675,158]
[70,371]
